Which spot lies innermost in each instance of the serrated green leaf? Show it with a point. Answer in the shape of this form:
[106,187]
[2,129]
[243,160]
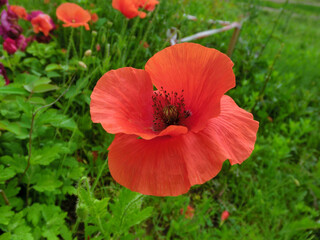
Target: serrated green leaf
[45,155]
[14,127]
[57,120]
[17,163]
[6,215]
[34,213]
[6,173]
[6,236]
[46,181]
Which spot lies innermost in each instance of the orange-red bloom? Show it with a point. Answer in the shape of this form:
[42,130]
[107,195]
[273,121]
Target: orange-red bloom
[130,8]
[42,23]
[179,135]
[73,15]
[20,11]
[94,17]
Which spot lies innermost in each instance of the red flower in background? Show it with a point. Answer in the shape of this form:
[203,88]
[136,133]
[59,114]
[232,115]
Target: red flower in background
[224,216]
[20,11]
[189,212]
[42,23]
[73,15]
[130,8]
[94,17]
[179,135]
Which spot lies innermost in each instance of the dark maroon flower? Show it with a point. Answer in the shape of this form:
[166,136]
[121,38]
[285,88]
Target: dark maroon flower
[3,2]
[14,31]
[22,42]
[10,45]
[3,72]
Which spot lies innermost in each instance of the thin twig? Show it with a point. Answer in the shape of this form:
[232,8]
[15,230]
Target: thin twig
[32,124]
[4,197]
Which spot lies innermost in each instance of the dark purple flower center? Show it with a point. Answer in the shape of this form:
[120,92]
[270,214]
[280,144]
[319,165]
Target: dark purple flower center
[168,109]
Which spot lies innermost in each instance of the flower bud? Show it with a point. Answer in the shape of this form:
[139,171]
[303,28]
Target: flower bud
[94,33]
[88,53]
[82,211]
[82,64]
[224,216]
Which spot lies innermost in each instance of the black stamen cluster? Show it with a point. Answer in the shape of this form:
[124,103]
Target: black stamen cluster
[169,109]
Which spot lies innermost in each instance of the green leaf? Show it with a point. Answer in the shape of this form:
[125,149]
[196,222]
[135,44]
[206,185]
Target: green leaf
[12,90]
[52,66]
[46,181]
[14,127]
[6,236]
[6,173]
[53,117]
[5,215]
[45,155]
[44,88]
[34,213]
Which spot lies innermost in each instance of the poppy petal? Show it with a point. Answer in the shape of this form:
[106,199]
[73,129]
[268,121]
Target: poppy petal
[234,131]
[204,74]
[163,166]
[122,102]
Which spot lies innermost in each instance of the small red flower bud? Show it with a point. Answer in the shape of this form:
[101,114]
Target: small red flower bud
[224,215]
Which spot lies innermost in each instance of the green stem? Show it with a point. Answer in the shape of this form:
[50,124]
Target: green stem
[99,175]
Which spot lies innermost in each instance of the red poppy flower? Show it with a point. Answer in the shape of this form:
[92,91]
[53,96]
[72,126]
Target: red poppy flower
[20,11]
[73,15]
[42,23]
[179,135]
[130,8]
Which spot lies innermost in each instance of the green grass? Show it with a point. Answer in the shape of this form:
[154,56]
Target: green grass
[275,194]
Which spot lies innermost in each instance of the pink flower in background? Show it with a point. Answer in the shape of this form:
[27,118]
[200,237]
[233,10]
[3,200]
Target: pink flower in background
[10,46]
[22,42]
[9,25]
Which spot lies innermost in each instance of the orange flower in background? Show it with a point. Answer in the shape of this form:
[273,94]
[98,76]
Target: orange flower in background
[73,15]
[179,135]
[42,23]
[130,8]
[20,11]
